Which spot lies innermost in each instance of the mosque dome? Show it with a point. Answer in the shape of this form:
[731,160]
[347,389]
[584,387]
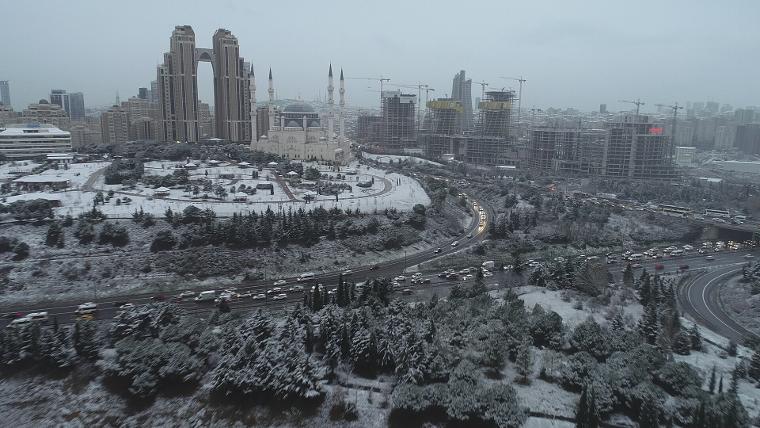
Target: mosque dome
[299,108]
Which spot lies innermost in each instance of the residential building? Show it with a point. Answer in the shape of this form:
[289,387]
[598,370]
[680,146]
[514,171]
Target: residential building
[637,148]
[744,116]
[33,141]
[7,115]
[178,87]
[76,103]
[142,93]
[369,128]
[45,112]
[724,137]
[60,98]
[5,93]
[114,125]
[461,90]
[566,151]
[747,138]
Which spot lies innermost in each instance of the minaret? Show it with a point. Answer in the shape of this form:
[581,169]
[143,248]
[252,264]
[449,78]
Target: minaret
[252,88]
[271,100]
[331,105]
[342,105]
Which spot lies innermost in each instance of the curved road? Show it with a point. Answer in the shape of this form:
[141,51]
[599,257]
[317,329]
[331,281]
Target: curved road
[107,306]
[700,299]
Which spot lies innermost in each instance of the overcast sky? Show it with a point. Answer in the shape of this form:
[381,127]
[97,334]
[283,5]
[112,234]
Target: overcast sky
[572,53]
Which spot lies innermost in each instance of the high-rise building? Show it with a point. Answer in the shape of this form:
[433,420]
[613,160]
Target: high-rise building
[398,127]
[205,120]
[636,148]
[748,138]
[142,93]
[154,93]
[60,98]
[724,137]
[46,113]
[743,116]
[76,102]
[443,123]
[368,128]
[565,151]
[114,125]
[5,93]
[461,90]
[33,141]
[178,87]
[603,108]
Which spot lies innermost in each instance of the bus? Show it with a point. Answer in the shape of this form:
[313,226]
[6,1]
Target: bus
[717,213]
[674,209]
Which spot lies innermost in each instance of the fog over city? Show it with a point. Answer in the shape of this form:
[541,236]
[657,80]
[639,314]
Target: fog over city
[580,56]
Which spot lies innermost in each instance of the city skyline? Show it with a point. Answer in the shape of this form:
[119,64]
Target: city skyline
[576,58]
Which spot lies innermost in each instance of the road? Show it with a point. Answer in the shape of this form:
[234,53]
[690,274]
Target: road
[64,311]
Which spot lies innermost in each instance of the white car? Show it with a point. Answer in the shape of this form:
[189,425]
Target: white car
[455,243]
[86,308]
[38,316]
[296,288]
[280,296]
[126,306]
[224,296]
[487,274]
[186,294]
[244,295]
[280,282]
[348,272]
[400,278]
[19,321]
[260,296]
[467,277]
[274,290]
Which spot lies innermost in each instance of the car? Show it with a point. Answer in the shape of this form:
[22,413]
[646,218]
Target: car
[280,282]
[416,275]
[395,285]
[437,250]
[636,265]
[452,275]
[374,267]
[280,296]
[424,281]
[260,296]
[749,256]
[223,297]
[400,278]
[158,298]
[186,294]
[86,308]
[85,317]
[659,266]
[455,243]
[442,274]
[126,306]
[19,321]
[332,291]
[487,274]
[406,291]
[244,295]
[469,235]
[348,272]
[710,258]
[296,288]
[683,267]
[274,290]
[467,277]
[38,316]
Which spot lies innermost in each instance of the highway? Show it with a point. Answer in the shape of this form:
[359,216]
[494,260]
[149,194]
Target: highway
[64,311]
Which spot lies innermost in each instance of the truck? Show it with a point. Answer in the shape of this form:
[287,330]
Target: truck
[488,264]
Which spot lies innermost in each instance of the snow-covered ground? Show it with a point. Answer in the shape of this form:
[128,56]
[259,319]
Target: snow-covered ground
[396,158]
[389,190]
[12,170]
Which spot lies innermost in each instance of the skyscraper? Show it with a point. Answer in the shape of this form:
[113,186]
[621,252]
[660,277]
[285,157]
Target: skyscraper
[5,93]
[461,91]
[115,125]
[636,148]
[61,98]
[177,87]
[76,102]
[398,112]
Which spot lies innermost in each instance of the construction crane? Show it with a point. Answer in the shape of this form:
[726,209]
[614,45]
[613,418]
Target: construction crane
[519,95]
[380,79]
[675,107]
[419,88]
[483,89]
[638,103]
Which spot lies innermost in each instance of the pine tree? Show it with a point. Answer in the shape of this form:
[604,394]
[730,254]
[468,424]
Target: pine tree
[586,415]
[754,365]
[617,323]
[720,385]
[628,276]
[648,416]
[711,386]
[645,290]
[696,338]
[524,361]
[733,387]
[649,325]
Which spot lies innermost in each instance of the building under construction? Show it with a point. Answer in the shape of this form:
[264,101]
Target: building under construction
[565,151]
[636,148]
[488,144]
[398,122]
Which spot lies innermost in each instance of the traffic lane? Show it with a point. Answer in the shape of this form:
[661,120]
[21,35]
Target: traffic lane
[699,299]
[673,263]
[66,310]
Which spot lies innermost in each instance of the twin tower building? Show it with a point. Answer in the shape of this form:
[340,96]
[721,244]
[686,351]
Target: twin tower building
[235,101]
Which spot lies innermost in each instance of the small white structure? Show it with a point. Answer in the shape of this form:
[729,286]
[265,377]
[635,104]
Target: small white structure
[272,164]
[243,165]
[292,174]
[161,192]
[190,165]
[240,197]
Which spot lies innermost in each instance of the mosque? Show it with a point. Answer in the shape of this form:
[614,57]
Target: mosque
[298,132]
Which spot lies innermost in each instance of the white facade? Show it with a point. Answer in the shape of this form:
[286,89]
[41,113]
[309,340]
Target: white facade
[27,142]
[297,131]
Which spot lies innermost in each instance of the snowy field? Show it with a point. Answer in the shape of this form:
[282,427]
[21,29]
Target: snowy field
[389,190]
[11,170]
[396,158]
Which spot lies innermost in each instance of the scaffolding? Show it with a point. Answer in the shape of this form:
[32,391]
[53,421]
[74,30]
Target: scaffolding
[636,148]
[566,151]
[443,121]
[490,144]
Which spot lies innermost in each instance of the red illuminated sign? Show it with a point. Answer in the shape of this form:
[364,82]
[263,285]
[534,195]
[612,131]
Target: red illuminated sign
[655,131]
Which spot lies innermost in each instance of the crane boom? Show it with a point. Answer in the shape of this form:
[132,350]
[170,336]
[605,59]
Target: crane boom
[638,103]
